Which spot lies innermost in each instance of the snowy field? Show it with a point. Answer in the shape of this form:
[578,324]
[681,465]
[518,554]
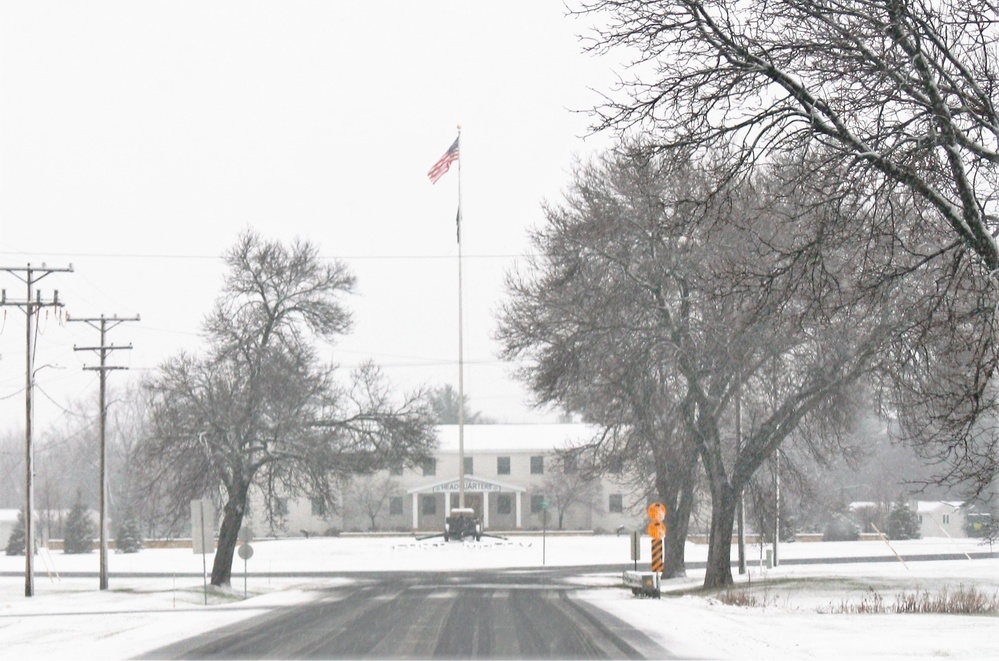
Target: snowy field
[70,618]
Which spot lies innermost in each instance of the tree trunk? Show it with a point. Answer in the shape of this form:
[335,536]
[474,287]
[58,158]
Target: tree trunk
[677,522]
[719,568]
[232,519]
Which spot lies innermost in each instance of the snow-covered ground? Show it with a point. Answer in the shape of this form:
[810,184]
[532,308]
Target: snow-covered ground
[70,618]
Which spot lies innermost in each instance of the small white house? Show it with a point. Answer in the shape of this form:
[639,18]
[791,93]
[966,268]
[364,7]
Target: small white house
[941,518]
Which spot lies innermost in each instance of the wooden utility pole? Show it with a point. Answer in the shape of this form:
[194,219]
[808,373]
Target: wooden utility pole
[104,324]
[32,303]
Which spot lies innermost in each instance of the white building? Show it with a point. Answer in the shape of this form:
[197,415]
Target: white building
[512,481]
[941,518]
[8,520]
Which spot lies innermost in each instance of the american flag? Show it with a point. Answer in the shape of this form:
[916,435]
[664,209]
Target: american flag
[444,164]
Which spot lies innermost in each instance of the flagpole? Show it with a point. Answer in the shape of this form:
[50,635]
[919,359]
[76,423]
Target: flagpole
[461,355]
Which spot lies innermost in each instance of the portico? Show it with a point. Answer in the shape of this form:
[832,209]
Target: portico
[477,492]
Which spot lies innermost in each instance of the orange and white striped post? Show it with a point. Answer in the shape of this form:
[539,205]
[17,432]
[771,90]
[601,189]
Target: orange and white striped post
[657,531]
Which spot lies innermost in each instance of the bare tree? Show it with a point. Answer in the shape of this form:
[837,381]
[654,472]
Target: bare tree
[261,409]
[590,336]
[648,276]
[877,100]
[901,90]
[368,495]
[568,484]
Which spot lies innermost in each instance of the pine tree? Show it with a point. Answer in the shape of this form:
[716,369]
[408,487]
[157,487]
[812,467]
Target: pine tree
[903,523]
[127,536]
[15,543]
[79,537]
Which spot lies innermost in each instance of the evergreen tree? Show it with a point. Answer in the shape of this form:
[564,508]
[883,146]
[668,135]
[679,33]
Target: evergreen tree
[127,536]
[79,536]
[903,523]
[841,526]
[15,543]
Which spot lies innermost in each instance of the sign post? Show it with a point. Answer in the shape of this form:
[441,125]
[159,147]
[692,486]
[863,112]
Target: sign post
[636,547]
[657,531]
[245,552]
[202,536]
[545,504]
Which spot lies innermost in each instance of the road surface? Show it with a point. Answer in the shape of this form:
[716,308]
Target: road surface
[483,614]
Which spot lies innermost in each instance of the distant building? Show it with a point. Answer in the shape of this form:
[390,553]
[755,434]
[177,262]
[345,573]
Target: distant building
[512,481]
[941,518]
[937,518]
[8,520]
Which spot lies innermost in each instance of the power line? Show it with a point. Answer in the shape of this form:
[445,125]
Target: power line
[218,257]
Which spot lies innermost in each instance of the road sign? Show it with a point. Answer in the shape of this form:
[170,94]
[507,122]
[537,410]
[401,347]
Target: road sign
[202,530]
[656,511]
[657,530]
[245,551]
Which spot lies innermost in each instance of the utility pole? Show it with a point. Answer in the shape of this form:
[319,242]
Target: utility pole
[104,324]
[32,303]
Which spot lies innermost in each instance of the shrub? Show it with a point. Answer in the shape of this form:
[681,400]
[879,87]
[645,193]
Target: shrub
[127,536]
[841,529]
[963,601]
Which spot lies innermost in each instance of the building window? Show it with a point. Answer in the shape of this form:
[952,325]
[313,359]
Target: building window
[429,505]
[318,507]
[946,518]
[503,504]
[569,464]
[616,465]
[281,506]
[396,470]
[616,503]
[537,465]
[468,466]
[536,503]
[502,465]
[430,467]
[395,506]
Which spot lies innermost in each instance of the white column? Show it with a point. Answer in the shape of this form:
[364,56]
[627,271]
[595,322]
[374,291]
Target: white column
[485,509]
[416,511]
[447,504]
[517,508]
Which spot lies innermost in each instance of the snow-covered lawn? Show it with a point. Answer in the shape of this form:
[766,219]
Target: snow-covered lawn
[71,618]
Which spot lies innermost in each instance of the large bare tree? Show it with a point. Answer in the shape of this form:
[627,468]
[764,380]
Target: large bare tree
[886,100]
[260,408]
[664,298]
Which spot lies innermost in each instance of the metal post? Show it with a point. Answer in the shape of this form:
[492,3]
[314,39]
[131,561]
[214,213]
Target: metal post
[777,508]
[461,355]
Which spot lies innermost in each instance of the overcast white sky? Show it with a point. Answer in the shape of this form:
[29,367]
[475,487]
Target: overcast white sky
[138,139]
